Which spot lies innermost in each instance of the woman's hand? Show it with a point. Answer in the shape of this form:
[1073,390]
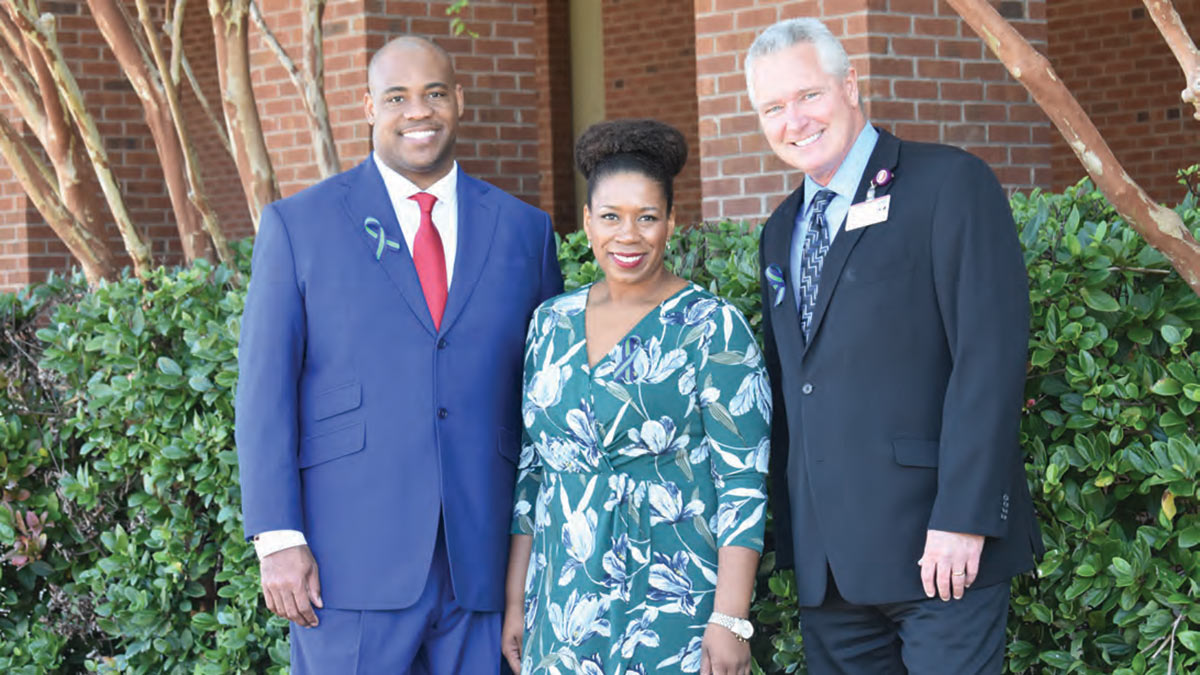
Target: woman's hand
[722,653]
[511,635]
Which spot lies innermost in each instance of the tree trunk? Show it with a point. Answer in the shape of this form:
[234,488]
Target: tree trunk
[1161,227]
[117,30]
[41,36]
[230,20]
[95,258]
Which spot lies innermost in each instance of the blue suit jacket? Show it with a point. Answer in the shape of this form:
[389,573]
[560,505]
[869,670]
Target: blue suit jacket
[359,423]
[902,412]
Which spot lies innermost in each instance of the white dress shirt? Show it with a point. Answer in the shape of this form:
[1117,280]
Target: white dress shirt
[408,214]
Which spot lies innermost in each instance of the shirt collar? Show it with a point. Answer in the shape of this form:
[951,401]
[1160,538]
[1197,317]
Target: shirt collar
[399,187]
[849,175]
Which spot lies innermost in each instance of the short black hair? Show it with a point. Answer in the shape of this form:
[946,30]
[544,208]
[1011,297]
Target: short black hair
[654,149]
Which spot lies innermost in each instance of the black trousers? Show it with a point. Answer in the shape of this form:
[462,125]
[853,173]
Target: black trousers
[921,637]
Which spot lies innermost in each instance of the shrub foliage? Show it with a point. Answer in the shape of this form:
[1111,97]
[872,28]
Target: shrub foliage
[120,536]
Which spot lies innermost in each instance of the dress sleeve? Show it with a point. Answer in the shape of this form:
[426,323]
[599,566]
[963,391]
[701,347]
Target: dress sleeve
[735,404]
[529,467]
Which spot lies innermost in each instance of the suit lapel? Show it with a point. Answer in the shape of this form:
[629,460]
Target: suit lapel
[777,249]
[884,156]
[477,220]
[368,198]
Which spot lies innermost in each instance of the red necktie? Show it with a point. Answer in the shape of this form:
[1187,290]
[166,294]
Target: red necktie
[430,259]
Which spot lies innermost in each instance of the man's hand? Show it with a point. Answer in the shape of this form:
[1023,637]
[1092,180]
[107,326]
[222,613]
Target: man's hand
[290,585]
[950,563]
[721,653]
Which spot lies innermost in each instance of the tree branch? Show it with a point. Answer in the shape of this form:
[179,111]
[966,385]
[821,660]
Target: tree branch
[196,193]
[95,258]
[206,106]
[310,83]
[1172,28]
[133,54]
[1161,227]
[42,35]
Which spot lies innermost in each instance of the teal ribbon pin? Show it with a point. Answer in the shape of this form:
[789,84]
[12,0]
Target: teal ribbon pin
[776,283]
[378,234]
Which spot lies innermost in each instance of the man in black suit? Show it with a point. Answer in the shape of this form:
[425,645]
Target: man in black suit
[896,317]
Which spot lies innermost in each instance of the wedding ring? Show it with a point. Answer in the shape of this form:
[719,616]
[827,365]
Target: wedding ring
[958,574]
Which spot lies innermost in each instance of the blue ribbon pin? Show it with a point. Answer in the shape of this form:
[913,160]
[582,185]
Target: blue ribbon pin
[378,234]
[775,281]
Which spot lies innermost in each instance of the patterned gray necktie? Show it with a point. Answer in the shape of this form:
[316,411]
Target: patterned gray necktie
[816,245]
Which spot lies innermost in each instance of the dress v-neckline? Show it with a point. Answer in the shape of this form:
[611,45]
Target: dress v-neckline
[587,359]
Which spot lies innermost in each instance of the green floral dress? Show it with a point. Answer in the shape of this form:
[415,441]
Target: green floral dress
[632,473]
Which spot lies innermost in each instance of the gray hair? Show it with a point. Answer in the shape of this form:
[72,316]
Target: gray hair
[789,32]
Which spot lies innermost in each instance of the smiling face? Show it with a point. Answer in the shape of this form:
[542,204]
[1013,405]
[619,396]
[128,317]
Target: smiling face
[629,225]
[413,105]
[810,118]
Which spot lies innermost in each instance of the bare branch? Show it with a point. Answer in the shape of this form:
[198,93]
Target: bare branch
[310,83]
[43,38]
[1172,28]
[176,30]
[196,192]
[218,124]
[1161,227]
[92,254]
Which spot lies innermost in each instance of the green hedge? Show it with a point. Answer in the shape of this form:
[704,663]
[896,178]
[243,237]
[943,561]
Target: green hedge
[119,511]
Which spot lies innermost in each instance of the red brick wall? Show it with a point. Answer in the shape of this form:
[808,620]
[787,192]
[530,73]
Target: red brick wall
[16,212]
[650,71]
[1111,56]
[923,74]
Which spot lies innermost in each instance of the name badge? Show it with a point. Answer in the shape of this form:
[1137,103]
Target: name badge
[869,212]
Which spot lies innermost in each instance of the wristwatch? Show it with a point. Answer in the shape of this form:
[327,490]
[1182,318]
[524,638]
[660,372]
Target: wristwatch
[742,628]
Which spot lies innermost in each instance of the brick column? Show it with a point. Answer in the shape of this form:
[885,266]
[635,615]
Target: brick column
[923,75]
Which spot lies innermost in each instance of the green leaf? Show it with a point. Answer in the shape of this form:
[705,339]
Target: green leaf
[1190,639]
[168,366]
[1171,334]
[199,383]
[1166,387]
[1099,300]
[1189,537]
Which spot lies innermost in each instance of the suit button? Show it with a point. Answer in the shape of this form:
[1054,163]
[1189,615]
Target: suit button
[807,388]
[442,413]
[442,343]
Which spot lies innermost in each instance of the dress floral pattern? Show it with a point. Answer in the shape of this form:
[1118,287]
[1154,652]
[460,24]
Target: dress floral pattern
[632,474]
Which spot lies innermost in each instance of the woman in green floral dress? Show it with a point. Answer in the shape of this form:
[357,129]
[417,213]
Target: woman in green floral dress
[640,502]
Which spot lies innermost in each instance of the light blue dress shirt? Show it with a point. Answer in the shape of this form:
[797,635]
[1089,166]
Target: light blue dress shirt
[844,185]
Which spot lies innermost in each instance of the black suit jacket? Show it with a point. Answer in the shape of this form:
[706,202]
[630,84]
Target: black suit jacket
[902,412]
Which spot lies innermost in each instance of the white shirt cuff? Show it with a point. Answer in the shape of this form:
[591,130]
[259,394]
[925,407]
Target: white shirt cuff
[273,541]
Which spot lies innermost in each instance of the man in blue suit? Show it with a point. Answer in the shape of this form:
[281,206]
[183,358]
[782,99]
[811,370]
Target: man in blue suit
[895,318]
[378,403]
